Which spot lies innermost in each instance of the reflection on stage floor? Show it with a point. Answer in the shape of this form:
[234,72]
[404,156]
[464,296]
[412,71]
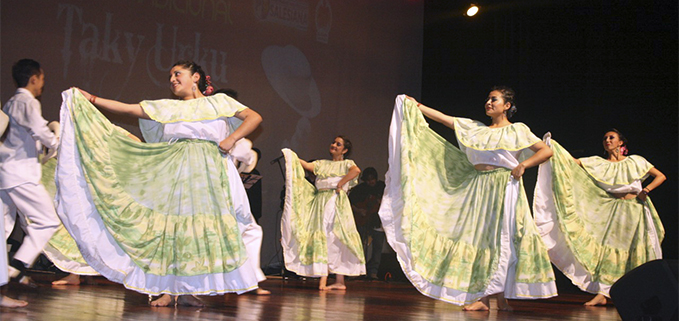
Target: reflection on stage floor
[291,299]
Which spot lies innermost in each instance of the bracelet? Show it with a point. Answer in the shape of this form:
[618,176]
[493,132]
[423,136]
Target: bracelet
[646,190]
[93,98]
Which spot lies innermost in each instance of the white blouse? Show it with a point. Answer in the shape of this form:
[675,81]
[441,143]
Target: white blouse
[504,147]
[500,157]
[214,130]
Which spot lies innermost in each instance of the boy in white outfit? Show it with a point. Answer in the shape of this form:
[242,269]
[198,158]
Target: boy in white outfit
[20,168]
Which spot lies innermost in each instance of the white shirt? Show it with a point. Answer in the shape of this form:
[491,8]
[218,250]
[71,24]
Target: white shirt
[26,134]
[214,130]
[499,157]
[634,187]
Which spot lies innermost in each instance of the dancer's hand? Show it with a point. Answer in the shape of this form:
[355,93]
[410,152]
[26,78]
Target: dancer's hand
[518,171]
[87,95]
[47,155]
[226,144]
[642,195]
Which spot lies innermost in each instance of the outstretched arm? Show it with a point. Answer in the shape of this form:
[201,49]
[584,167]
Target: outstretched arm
[658,178]
[251,119]
[542,154]
[117,107]
[307,166]
[435,114]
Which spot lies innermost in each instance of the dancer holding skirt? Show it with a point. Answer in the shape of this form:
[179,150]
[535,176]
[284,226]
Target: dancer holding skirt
[459,219]
[319,234]
[168,217]
[594,215]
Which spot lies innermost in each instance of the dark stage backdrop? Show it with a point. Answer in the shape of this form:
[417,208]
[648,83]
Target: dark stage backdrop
[312,68]
[578,67]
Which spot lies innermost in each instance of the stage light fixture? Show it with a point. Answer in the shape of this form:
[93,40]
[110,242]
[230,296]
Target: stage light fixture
[473,10]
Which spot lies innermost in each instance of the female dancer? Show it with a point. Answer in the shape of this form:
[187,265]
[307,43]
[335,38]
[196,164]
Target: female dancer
[318,230]
[594,215]
[459,219]
[168,216]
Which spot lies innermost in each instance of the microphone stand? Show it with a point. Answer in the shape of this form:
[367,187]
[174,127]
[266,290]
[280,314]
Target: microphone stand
[282,204]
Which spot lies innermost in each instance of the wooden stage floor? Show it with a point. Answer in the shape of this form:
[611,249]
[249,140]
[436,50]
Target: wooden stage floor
[290,299]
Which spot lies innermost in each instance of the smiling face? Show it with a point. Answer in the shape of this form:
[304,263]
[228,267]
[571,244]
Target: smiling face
[612,142]
[337,148]
[182,82]
[496,104]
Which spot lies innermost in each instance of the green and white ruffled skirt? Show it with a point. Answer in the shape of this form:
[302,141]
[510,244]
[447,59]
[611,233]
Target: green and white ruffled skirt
[319,234]
[593,237]
[459,234]
[158,218]
[61,248]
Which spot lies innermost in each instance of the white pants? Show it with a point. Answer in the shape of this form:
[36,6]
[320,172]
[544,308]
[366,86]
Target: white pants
[4,269]
[36,208]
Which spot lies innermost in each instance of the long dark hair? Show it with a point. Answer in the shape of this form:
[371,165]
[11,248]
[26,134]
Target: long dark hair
[508,96]
[194,68]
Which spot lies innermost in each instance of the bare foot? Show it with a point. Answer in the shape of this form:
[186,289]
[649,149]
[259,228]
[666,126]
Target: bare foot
[261,291]
[7,302]
[599,299]
[190,301]
[336,286]
[163,301]
[339,283]
[71,279]
[502,303]
[322,283]
[480,305]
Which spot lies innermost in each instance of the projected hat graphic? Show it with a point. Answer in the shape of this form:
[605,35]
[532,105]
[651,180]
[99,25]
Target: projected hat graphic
[289,73]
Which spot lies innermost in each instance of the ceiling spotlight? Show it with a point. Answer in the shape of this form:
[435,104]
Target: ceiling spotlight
[473,10]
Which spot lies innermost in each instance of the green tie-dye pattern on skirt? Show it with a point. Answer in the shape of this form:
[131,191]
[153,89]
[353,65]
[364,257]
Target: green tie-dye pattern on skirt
[307,218]
[167,205]
[452,214]
[608,236]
